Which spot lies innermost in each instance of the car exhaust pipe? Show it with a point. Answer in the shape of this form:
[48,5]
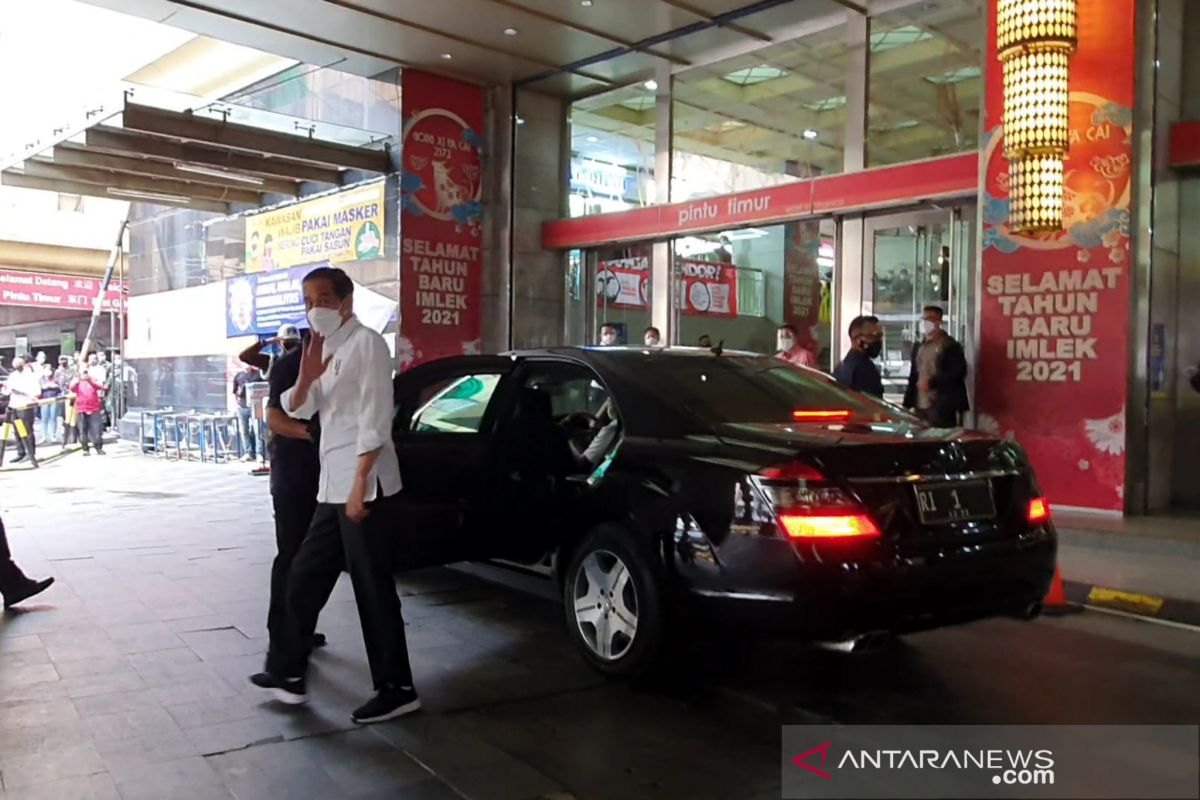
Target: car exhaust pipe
[870,642]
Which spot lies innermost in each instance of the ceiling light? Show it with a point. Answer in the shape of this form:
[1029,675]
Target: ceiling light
[218,173]
[585,3]
[651,85]
[810,134]
[592,139]
[447,56]
[158,197]
[510,31]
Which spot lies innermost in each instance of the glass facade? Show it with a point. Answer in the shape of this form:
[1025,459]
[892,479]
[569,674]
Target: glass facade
[770,117]
[925,81]
[612,150]
[739,287]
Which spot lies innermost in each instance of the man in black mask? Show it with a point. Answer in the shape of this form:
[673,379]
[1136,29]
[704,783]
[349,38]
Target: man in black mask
[858,370]
[295,470]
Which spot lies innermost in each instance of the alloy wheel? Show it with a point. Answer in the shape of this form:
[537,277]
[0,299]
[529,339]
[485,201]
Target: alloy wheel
[606,605]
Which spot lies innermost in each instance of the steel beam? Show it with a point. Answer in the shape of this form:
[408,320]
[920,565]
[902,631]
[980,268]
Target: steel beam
[134,183]
[136,144]
[75,156]
[11,178]
[192,128]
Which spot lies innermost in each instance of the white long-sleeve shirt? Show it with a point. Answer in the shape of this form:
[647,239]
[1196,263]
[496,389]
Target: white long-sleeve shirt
[354,399]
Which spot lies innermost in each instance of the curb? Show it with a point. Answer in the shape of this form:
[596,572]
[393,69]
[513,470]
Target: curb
[1186,612]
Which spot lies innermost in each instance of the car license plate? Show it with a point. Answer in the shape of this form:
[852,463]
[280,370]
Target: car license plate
[961,501]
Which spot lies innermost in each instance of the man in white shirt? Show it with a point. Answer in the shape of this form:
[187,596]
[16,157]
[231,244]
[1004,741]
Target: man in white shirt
[346,377]
[24,386]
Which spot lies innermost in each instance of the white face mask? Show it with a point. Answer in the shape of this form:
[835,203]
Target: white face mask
[651,341]
[324,321]
[926,327]
[608,340]
[785,343]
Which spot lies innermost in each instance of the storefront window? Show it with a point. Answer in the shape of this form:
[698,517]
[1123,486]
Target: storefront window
[926,67]
[622,291]
[612,151]
[738,287]
[770,117]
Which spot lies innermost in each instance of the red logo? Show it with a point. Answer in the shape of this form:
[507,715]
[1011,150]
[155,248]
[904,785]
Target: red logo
[800,761]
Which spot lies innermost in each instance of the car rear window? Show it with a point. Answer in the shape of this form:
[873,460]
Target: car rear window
[735,389]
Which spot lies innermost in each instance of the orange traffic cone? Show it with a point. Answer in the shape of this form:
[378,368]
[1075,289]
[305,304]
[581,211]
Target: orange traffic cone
[1055,601]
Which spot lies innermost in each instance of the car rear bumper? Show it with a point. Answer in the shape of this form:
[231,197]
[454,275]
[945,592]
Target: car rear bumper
[831,601]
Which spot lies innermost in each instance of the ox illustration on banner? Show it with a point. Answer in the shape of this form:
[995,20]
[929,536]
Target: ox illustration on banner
[440,219]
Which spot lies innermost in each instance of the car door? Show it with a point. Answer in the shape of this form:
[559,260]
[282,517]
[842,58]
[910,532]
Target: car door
[531,505]
[444,431]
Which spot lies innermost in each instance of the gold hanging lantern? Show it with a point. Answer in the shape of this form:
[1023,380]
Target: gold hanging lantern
[1034,42]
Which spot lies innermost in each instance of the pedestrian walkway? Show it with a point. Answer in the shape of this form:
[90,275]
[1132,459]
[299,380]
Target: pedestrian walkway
[1144,565]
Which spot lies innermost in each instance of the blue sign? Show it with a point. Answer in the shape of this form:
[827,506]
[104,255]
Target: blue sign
[259,303]
[1158,358]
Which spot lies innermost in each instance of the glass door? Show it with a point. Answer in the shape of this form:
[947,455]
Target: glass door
[916,260]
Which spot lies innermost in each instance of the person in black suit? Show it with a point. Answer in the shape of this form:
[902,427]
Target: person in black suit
[858,370]
[15,586]
[937,383]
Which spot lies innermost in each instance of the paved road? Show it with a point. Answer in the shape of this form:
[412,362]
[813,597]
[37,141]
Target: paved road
[129,680]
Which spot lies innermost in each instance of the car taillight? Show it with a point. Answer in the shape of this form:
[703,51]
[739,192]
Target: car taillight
[806,506]
[1039,511]
[801,525]
[813,415]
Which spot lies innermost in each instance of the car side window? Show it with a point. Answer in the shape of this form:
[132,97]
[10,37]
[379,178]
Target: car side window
[457,406]
[571,389]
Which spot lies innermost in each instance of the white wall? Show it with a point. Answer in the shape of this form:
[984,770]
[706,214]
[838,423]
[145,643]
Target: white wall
[185,322]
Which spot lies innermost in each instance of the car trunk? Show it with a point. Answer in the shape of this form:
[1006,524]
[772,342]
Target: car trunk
[887,465]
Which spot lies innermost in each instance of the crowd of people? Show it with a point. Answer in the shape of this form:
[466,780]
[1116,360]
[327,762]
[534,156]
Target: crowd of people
[39,395]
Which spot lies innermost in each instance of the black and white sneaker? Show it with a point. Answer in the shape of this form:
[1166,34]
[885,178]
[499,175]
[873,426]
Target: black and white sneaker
[291,691]
[391,702]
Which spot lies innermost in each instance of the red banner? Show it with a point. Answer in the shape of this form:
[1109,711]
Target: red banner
[623,283]
[46,290]
[708,288]
[1055,308]
[904,184]
[441,282]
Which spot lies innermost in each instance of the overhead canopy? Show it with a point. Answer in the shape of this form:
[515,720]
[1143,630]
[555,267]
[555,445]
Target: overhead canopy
[199,160]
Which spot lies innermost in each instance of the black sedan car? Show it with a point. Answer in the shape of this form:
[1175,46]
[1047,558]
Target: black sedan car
[666,486]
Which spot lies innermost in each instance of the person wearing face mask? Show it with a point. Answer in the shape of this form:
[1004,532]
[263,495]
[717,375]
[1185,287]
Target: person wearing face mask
[858,370]
[937,383]
[345,375]
[789,349]
[24,385]
[295,470]
[608,335]
[652,337]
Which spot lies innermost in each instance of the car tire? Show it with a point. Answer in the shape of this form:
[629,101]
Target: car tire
[611,582]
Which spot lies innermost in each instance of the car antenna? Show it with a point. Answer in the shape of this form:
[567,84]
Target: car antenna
[719,350]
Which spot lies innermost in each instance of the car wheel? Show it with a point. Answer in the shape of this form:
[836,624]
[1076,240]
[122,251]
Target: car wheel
[613,604]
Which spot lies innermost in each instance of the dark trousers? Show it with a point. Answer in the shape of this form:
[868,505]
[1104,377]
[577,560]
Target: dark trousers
[293,516]
[91,430]
[27,417]
[366,551]
[11,577]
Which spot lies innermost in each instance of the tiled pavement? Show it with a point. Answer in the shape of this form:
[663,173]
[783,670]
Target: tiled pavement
[129,678]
